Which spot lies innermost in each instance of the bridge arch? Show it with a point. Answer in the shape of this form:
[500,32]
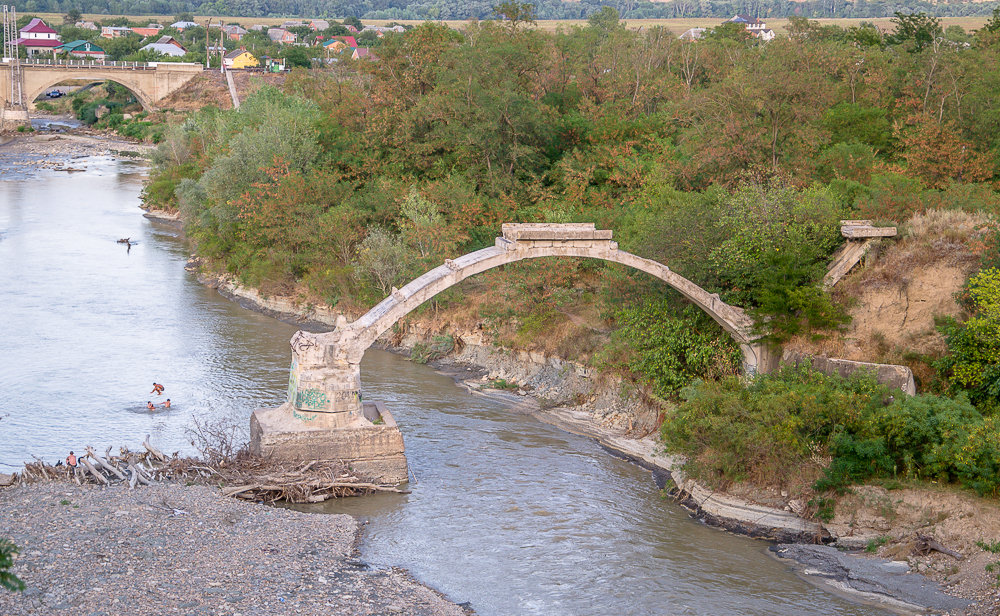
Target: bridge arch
[39,86]
[325,377]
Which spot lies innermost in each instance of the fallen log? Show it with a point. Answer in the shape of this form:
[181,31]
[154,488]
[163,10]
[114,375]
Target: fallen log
[926,544]
[94,471]
[138,475]
[105,464]
[156,453]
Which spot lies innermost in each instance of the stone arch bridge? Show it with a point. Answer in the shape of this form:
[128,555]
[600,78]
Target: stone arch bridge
[150,82]
[324,417]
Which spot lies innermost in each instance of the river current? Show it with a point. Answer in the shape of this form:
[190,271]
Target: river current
[507,513]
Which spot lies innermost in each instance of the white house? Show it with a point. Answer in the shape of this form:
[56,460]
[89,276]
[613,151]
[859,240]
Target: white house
[38,39]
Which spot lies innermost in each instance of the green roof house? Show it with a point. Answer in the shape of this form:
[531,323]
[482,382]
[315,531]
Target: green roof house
[81,49]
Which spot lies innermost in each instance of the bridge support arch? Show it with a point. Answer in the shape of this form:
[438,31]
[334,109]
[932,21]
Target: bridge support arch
[324,389]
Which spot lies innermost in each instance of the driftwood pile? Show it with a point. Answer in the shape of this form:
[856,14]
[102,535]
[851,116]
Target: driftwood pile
[241,476]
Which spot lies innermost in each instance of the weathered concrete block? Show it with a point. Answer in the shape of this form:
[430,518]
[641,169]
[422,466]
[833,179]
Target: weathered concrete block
[853,232]
[899,377]
[373,451]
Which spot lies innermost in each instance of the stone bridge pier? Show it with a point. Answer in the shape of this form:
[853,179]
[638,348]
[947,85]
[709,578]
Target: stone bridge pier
[324,416]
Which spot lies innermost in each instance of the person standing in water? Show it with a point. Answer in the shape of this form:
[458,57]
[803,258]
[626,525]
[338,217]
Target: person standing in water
[149,405]
[166,404]
[157,388]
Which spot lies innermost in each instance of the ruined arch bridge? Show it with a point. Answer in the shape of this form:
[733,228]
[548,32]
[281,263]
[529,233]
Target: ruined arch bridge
[324,417]
[149,81]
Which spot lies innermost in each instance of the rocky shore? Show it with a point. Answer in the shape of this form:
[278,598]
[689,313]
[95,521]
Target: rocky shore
[168,548]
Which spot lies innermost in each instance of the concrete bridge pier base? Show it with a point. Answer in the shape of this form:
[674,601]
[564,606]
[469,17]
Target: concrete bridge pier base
[325,419]
[11,118]
[759,358]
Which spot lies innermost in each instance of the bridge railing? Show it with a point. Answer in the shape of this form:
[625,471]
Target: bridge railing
[89,64]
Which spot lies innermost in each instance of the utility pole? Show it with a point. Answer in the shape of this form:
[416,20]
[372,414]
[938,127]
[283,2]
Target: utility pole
[14,108]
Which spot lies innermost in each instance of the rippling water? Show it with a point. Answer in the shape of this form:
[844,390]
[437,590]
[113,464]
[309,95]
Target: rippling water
[507,513]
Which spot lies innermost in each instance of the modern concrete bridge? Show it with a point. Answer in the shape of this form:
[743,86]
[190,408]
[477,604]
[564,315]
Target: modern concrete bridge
[150,82]
[324,389]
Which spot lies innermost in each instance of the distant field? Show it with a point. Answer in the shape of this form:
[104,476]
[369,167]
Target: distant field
[676,26]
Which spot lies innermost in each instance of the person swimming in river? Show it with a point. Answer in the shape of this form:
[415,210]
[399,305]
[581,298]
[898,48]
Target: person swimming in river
[157,388]
[166,404]
[150,406]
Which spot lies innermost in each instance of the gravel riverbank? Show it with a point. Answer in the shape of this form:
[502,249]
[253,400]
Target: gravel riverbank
[173,549]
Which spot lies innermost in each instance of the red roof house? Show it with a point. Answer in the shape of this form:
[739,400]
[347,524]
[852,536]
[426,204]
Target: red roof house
[37,38]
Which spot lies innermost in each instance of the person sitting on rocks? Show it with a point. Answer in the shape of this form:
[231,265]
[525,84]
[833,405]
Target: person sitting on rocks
[157,388]
[71,460]
[149,405]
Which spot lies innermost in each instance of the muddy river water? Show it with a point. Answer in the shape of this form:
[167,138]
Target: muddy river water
[509,514]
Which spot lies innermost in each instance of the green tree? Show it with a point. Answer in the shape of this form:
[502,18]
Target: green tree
[515,13]
[72,16]
[296,57]
[382,258]
[916,30]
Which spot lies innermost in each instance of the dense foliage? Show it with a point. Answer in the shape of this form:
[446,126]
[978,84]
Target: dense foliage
[729,160]
[8,580]
[784,423]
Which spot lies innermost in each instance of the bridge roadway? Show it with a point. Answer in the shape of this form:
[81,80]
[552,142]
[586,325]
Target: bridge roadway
[150,82]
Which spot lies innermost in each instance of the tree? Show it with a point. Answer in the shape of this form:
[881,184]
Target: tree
[515,13]
[297,57]
[605,21]
[353,21]
[917,30]
[382,258]
[184,17]
[72,16]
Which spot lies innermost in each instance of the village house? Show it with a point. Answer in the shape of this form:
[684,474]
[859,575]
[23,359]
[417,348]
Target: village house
[150,30]
[234,32]
[282,36]
[318,25]
[258,27]
[364,53]
[38,39]
[351,29]
[166,45]
[86,25]
[81,49]
[754,26]
[113,32]
[292,24]
[337,44]
[240,58]
[181,26]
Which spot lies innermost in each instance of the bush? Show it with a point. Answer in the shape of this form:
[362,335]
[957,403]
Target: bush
[770,431]
[7,579]
[438,348]
[973,362]
[670,348]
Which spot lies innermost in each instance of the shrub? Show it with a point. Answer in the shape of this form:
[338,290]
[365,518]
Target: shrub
[438,348]
[973,362]
[771,430]
[7,579]
[670,348]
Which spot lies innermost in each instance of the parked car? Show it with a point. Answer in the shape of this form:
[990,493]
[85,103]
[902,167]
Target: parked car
[55,94]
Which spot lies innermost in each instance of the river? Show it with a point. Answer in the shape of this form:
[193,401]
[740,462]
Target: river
[509,514]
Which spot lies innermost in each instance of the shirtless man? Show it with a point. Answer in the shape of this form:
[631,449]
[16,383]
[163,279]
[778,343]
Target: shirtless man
[157,389]
[149,405]
[166,404]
